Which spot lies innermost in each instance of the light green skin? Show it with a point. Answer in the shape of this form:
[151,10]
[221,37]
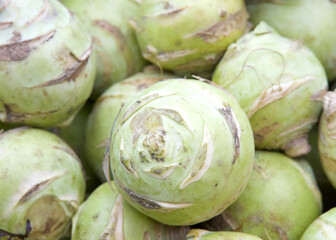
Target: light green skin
[37,88]
[199,234]
[118,53]
[280,201]
[252,69]
[327,133]
[74,135]
[41,180]
[309,21]
[172,162]
[314,159]
[105,210]
[323,228]
[106,109]
[189,35]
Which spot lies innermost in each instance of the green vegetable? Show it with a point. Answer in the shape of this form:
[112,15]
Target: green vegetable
[175,163]
[41,181]
[279,83]
[74,135]
[118,53]
[106,109]
[46,68]
[189,35]
[280,201]
[309,21]
[323,228]
[105,215]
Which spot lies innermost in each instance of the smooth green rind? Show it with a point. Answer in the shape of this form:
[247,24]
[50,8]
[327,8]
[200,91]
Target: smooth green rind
[279,84]
[74,135]
[106,216]
[309,21]
[199,234]
[41,180]
[118,53]
[327,133]
[189,35]
[174,163]
[106,109]
[46,68]
[280,201]
[323,228]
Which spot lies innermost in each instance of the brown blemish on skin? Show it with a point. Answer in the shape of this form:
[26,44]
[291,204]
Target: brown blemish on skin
[228,115]
[67,151]
[19,51]
[205,63]
[113,30]
[54,217]
[261,134]
[16,37]
[223,28]
[42,13]
[13,116]
[4,25]
[144,202]
[35,189]
[121,42]
[318,96]
[297,147]
[69,74]
[146,236]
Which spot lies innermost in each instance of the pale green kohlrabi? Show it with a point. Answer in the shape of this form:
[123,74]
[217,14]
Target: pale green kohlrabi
[323,228]
[106,216]
[312,22]
[46,68]
[106,109]
[199,234]
[279,202]
[279,83]
[41,181]
[327,133]
[114,41]
[181,151]
[188,35]
[74,136]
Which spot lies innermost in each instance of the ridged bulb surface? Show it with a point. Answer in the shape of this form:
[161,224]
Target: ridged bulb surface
[46,67]
[105,110]
[188,35]
[182,151]
[41,181]
[279,83]
[115,219]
